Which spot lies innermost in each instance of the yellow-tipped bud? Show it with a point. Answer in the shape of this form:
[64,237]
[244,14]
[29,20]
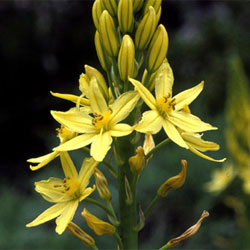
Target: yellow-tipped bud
[156,4]
[99,226]
[97,10]
[145,30]
[137,162]
[101,53]
[126,58]
[86,239]
[108,34]
[102,185]
[84,84]
[188,233]
[158,16]
[157,49]
[173,182]
[92,72]
[137,4]
[110,6]
[125,15]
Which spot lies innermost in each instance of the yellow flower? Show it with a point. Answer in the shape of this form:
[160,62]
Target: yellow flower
[166,110]
[64,135]
[99,226]
[98,129]
[65,193]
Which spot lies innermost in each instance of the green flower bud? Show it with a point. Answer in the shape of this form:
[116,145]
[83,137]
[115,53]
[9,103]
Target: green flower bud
[102,185]
[97,10]
[145,30]
[156,4]
[125,15]
[157,49]
[110,6]
[108,34]
[92,72]
[101,53]
[126,58]
[137,4]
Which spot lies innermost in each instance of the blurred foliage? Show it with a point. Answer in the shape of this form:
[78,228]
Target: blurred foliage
[44,46]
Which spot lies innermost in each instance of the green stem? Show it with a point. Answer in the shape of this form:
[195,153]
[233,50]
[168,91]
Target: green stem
[157,147]
[99,204]
[119,241]
[167,246]
[95,247]
[151,205]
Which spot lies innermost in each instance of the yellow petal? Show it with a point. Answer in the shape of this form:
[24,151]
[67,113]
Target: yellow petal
[173,134]
[48,214]
[72,98]
[87,170]
[122,106]
[120,129]
[100,146]
[151,122]
[66,216]
[42,160]
[164,81]
[192,149]
[68,166]
[52,190]
[97,101]
[77,142]
[87,192]
[144,93]
[75,121]
[187,96]
[189,122]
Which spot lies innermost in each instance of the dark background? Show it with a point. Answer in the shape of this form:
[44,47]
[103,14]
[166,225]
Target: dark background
[44,46]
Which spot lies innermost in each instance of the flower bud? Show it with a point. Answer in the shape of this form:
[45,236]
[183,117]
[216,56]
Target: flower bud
[84,84]
[125,15]
[145,30]
[102,185]
[108,34]
[173,182]
[110,6]
[92,72]
[97,10]
[136,162]
[86,239]
[126,58]
[188,233]
[137,4]
[158,16]
[156,4]
[99,226]
[101,53]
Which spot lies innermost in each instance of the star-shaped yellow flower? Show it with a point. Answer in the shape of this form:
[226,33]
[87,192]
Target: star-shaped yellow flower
[98,129]
[166,111]
[65,193]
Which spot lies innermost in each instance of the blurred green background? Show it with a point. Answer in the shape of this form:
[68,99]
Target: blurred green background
[44,46]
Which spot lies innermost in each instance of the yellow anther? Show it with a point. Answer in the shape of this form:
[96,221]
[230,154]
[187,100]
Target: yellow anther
[165,105]
[71,186]
[102,121]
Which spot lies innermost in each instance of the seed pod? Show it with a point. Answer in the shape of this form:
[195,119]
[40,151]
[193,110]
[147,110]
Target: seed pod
[126,58]
[125,15]
[157,49]
[108,34]
[145,30]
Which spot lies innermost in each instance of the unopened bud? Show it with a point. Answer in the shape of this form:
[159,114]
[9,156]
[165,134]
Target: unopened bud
[156,4]
[137,162]
[145,29]
[92,72]
[101,53]
[126,58]
[110,6]
[86,239]
[189,232]
[102,185]
[99,226]
[108,34]
[125,15]
[157,49]
[137,4]
[97,10]
[173,182]
[84,84]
